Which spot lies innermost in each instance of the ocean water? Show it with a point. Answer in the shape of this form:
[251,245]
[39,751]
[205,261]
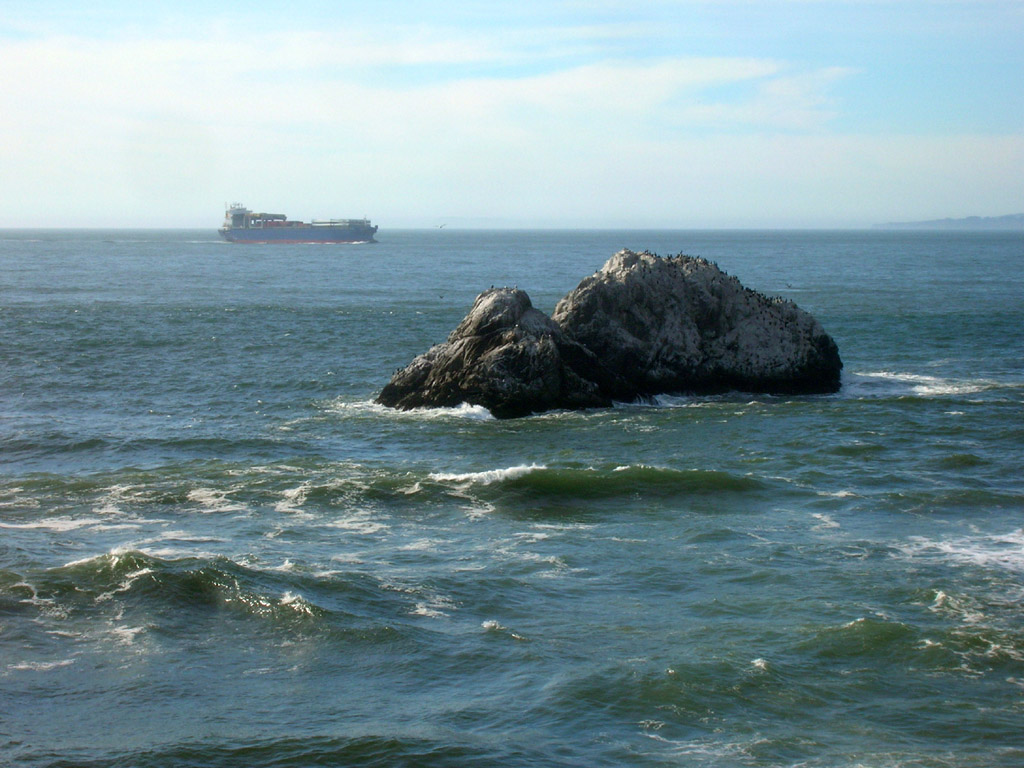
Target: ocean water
[216,550]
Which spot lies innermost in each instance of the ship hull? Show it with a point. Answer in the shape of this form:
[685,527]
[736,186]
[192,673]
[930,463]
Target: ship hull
[308,234]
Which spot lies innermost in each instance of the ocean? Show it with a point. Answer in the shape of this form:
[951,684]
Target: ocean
[216,550]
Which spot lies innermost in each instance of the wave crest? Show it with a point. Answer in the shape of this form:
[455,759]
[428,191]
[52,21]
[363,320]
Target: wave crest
[599,482]
[902,384]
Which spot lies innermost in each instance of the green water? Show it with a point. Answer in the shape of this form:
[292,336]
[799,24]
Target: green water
[216,550]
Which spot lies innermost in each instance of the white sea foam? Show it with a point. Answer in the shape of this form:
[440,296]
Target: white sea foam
[116,496]
[65,633]
[998,551]
[360,523]
[212,500]
[40,666]
[422,545]
[478,511]
[435,607]
[837,494]
[82,561]
[532,536]
[565,526]
[119,527]
[359,406]
[297,603]
[145,547]
[893,382]
[329,573]
[346,557]
[18,501]
[177,553]
[825,522]
[716,750]
[422,609]
[126,635]
[491,625]
[964,608]
[60,524]
[179,534]
[462,411]
[293,499]
[115,554]
[125,585]
[487,477]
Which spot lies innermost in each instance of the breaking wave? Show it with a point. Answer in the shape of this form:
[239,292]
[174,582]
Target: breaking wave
[155,592]
[902,384]
[599,482]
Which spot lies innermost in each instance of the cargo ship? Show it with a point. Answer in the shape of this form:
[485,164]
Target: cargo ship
[244,226]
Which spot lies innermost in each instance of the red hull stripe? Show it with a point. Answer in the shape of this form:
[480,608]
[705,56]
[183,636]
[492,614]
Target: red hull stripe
[299,242]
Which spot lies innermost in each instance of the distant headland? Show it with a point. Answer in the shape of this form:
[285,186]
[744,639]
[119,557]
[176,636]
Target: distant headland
[1015,221]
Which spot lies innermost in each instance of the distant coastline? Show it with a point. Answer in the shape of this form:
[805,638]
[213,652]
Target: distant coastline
[1014,221]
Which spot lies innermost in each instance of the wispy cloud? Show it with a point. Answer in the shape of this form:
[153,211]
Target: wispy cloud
[446,113]
[321,76]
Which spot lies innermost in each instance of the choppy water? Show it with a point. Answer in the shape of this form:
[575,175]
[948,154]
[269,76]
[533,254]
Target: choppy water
[215,550]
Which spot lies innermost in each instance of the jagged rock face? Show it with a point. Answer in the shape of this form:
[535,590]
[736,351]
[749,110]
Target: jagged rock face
[504,355]
[682,325]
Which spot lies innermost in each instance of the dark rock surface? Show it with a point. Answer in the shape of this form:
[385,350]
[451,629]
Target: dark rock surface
[682,325]
[506,356]
[642,325]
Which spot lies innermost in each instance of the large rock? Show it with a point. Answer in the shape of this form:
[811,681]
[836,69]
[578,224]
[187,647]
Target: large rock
[506,356]
[640,326]
[682,325]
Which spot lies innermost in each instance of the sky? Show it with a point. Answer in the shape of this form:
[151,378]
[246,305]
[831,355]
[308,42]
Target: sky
[511,113]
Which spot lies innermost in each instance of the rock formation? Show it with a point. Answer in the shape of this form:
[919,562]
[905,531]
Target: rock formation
[682,325]
[640,326]
[506,356]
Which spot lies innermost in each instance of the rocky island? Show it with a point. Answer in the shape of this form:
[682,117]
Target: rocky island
[641,326]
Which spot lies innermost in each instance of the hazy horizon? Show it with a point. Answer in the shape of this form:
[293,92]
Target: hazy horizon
[483,226]
[784,114]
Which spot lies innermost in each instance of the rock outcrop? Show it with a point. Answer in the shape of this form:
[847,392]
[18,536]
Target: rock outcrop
[506,356]
[682,325]
[640,326]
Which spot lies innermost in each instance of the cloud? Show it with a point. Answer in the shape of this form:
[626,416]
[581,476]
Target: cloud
[79,97]
[564,124]
[218,77]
